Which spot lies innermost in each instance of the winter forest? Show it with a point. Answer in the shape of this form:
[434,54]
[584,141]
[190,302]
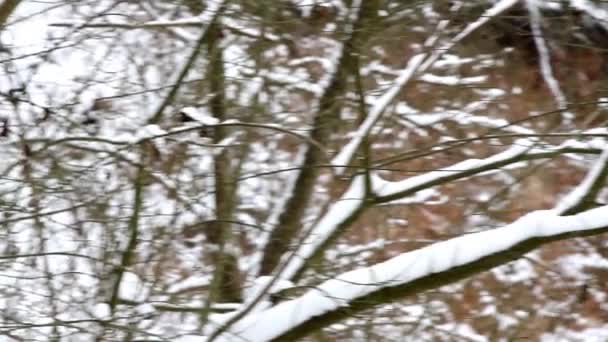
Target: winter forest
[316,170]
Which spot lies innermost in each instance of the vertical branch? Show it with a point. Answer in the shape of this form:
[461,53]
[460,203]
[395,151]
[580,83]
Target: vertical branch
[30,178]
[362,115]
[129,253]
[289,222]
[225,286]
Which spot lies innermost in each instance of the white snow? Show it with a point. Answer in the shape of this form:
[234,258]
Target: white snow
[595,334]
[384,188]
[462,118]
[200,115]
[575,197]
[193,281]
[132,288]
[600,14]
[516,272]
[147,132]
[452,80]
[574,265]
[102,311]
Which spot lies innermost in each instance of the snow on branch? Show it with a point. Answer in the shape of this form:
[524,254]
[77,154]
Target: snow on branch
[522,149]
[379,68]
[587,189]
[353,201]
[339,292]
[347,152]
[544,54]
[452,80]
[416,119]
[417,64]
[498,8]
[388,190]
[598,13]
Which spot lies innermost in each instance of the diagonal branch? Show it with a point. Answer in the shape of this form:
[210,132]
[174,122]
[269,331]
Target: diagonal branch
[352,204]
[347,152]
[134,230]
[498,8]
[417,65]
[414,272]
[6,9]
[208,17]
[289,221]
[583,196]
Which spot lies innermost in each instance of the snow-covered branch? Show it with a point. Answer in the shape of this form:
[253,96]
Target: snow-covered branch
[498,8]
[348,151]
[587,189]
[544,54]
[437,264]
[392,190]
[417,64]
[351,204]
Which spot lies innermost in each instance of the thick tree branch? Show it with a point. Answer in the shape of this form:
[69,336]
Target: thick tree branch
[6,9]
[411,273]
[351,205]
[225,286]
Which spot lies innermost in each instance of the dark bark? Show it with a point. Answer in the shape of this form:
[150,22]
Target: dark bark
[6,9]
[226,276]
[324,123]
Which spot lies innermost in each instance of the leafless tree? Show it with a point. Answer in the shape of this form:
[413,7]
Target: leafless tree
[338,170]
